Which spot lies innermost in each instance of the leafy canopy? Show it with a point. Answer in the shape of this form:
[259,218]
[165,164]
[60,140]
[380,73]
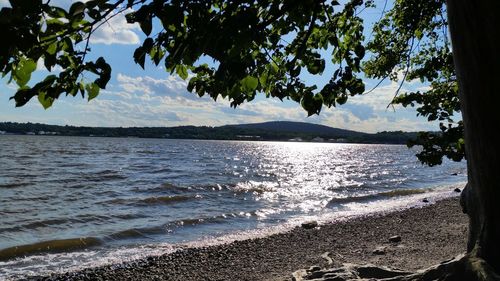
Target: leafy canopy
[258,46]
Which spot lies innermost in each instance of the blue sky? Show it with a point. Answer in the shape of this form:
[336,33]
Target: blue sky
[152,97]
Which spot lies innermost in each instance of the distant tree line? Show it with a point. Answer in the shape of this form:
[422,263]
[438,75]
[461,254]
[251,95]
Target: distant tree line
[233,132]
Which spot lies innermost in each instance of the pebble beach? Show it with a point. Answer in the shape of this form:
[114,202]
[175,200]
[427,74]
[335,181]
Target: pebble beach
[408,240]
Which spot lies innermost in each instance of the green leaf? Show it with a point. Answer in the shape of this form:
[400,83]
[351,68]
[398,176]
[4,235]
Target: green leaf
[45,100]
[22,72]
[56,12]
[52,48]
[77,9]
[249,84]
[341,99]
[359,51]
[316,66]
[311,103]
[81,87]
[181,70]
[146,25]
[92,90]
[140,56]
[418,34]
[104,73]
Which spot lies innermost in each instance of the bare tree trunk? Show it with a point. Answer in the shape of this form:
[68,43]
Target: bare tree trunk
[475,33]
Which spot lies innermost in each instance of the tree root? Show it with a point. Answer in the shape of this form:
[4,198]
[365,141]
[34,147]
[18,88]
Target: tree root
[464,267]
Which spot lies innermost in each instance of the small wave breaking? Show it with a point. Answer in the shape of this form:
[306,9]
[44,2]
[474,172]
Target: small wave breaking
[60,245]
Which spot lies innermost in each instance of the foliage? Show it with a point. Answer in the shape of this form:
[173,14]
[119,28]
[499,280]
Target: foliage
[33,30]
[260,46]
[411,38]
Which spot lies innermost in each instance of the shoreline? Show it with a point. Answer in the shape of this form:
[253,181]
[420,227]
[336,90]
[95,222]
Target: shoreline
[429,234]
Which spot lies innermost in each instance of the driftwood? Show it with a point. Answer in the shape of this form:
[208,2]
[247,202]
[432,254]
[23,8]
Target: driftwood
[464,267]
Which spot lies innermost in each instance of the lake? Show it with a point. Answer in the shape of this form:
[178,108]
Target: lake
[73,202]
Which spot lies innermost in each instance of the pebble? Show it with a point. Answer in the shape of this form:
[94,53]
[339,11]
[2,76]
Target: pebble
[395,238]
[309,224]
[379,251]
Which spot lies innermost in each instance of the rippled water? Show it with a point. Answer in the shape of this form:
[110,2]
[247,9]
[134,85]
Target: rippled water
[69,201]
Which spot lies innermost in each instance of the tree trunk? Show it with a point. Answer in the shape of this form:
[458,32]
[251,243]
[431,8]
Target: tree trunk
[475,34]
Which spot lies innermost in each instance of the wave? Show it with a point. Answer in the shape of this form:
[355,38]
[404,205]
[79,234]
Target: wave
[165,199]
[255,187]
[136,233]
[377,196]
[155,200]
[167,186]
[404,192]
[130,216]
[161,171]
[105,175]
[13,184]
[84,218]
[155,230]
[61,245]
[147,151]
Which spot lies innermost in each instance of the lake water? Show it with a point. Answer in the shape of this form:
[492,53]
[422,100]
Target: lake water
[72,202]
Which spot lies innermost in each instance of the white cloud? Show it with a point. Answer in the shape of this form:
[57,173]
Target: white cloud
[4,3]
[116,31]
[172,85]
[150,101]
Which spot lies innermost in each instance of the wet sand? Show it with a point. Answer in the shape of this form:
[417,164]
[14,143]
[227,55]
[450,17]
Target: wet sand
[429,235]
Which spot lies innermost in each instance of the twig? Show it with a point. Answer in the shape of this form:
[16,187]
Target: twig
[376,86]
[406,73]
[379,19]
[303,46]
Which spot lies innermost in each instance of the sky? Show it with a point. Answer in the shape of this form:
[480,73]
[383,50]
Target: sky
[153,97]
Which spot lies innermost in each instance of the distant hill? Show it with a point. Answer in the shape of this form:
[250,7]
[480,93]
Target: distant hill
[299,127]
[267,131]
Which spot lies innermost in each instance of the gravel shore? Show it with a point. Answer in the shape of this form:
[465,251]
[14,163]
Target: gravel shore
[428,235]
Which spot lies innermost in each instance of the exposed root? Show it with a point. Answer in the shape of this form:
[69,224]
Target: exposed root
[464,267]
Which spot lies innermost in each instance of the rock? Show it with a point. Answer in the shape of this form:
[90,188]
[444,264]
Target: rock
[351,272]
[314,268]
[309,224]
[425,200]
[454,174]
[335,277]
[395,238]
[297,275]
[315,274]
[458,190]
[379,251]
[378,272]
[326,256]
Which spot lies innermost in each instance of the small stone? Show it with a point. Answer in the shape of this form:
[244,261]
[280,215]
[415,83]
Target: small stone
[309,224]
[458,190]
[379,251]
[454,174]
[425,200]
[395,238]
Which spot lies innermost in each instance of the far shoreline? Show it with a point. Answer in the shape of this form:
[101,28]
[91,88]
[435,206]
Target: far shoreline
[194,139]
[266,131]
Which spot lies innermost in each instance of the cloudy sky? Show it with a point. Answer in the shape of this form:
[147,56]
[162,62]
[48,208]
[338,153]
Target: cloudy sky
[152,97]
